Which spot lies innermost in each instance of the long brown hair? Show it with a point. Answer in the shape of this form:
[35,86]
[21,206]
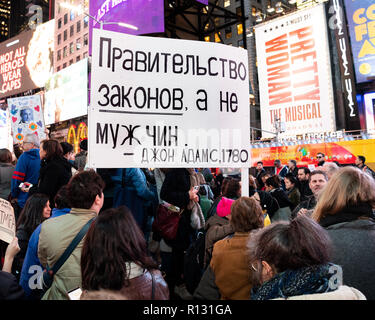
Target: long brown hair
[113,241]
[349,186]
[246,215]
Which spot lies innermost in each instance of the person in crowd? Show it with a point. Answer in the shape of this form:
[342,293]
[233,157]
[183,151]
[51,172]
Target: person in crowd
[31,260]
[107,174]
[317,181]
[6,173]
[303,185]
[360,164]
[264,176]
[81,157]
[320,157]
[85,194]
[252,185]
[345,209]
[18,150]
[178,191]
[126,271]
[291,260]
[207,174]
[204,201]
[131,190]
[292,190]
[228,269]
[27,170]
[35,211]
[259,171]
[268,204]
[273,186]
[68,155]
[292,167]
[219,178]
[280,171]
[217,227]
[55,171]
[330,168]
[9,287]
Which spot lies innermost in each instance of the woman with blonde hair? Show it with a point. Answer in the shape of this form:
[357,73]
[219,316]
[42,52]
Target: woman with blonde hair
[345,209]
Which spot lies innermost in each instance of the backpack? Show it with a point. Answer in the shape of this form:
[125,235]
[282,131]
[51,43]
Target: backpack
[193,262]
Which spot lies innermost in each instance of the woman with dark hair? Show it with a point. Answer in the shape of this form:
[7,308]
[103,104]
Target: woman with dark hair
[6,173]
[346,210]
[228,274]
[115,263]
[273,187]
[290,260]
[292,191]
[55,171]
[35,211]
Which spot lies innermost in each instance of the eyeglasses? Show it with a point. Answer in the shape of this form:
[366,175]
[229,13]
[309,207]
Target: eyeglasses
[253,267]
[318,157]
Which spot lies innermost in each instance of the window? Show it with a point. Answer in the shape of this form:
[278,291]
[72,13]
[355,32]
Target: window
[240,43]
[64,65]
[85,55]
[59,38]
[228,32]
[59,24]
[85,39]
[226,3]
[65,53]
[78,44]
[65,18]
[71,62]
[207,39]
[239,29]
[71,47]
[59,55]
[217,38]
[65,34]
[78,26]
[85,21]
[239,11]
[78,58]
[71,15]
[72,30]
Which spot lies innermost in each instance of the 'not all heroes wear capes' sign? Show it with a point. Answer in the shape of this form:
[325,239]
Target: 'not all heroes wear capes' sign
[7,221]
[295,74]
[159,102]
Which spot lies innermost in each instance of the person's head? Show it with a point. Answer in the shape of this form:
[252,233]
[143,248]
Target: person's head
[330,168]
[259,165]
[62,199]
[112,242]
[317,181]
[68,152]
[232,189]
[272,183]
[50,149]
[83,145]
[252,182]
[348,187]
[31,141]
[264,176]
[246,215]
[26,115]
[285,246]
[290,181]
[85,191]
[223,208]
[5,156]
[35,211]
[320,156]
[292,164]
[277,163]
[266,201]
[303,174]
[360,161]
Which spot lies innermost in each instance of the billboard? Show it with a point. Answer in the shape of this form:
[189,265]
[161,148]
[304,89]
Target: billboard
[146,15]
[26,61]
[369,99]
[203,1]
[295,74]
[66,94]
[159,102]
[361,20]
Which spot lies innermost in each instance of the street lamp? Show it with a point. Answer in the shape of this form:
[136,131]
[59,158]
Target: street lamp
[79,10]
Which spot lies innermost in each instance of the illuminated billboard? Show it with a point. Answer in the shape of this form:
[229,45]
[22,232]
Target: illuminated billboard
[361,20]
[66,93]
[295,74]
[26,61]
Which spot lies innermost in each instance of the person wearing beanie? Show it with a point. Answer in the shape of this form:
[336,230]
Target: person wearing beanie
[81,157]
[217,227]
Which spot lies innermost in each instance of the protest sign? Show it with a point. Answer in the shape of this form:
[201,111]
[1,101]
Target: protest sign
[159,102]
[7,221]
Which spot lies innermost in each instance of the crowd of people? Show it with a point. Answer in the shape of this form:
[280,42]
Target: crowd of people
[184,233]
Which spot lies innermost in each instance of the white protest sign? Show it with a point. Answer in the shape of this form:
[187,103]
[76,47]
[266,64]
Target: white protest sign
[158,102]
[7,221]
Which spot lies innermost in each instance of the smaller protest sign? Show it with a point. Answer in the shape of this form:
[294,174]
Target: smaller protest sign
[7,221]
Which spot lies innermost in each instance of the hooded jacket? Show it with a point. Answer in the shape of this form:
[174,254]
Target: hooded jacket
[27,170]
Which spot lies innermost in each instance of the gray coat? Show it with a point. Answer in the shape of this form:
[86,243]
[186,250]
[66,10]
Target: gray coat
[354,251]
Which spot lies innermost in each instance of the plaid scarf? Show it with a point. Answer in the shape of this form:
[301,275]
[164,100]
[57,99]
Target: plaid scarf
[307,280]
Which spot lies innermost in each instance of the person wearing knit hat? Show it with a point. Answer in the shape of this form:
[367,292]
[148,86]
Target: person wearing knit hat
[223,208]
[81,157]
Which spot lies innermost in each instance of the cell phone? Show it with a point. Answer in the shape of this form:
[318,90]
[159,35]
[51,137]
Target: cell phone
[25,185]
[75,294]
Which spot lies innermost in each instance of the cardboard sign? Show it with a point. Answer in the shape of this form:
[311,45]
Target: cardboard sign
[159,102]
[7,221]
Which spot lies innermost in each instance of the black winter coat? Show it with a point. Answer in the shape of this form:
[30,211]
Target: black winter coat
[9,287]
[282,198]
[53,175]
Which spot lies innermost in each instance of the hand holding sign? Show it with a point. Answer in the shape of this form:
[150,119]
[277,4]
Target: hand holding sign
[12,249]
